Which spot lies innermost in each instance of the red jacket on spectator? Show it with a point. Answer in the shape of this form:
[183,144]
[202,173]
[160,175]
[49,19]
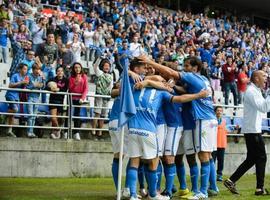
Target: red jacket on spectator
[78,84]
[242,85]
[229,73]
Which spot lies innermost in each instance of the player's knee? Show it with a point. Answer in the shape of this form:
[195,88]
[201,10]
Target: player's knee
[169,159]
[153,163]
[191,159]
[204,156]
[179,159]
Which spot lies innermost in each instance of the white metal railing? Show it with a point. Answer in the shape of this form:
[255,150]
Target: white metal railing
[68,104]
[70,117]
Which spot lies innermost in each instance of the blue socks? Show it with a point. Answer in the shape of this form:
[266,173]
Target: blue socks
[205,174]
[159,175]
[141,175]
[132,180]
[213,176]
[115,167]
[181,174]
[126,181]
[194,177]
[152,182]
[169,172]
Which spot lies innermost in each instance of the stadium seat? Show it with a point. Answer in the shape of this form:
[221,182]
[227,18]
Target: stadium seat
[3,107]
[265,125]
[238,121]
[44,109]
[229,124]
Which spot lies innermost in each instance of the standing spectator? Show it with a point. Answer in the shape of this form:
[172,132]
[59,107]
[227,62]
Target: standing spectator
[221,142]
[135,47]
[98,44]
[4,39]
[76,47]
[29,60]
[18,80]
[23,34]
[3,12]
[19,53]
[88,34]
[66,59]
[216,75]
[254,106]
[229,70]
[242,81]
[104,86]
[36,82]
[61,83]
[78,83]
[39,33]
[64,29]
[50,50]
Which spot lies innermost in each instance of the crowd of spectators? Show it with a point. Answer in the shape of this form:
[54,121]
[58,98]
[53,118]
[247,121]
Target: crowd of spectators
[230,48]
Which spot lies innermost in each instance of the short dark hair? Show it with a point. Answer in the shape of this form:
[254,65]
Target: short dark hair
[217,107]
[22,65]
[35,66]
[135,63]
[194,61]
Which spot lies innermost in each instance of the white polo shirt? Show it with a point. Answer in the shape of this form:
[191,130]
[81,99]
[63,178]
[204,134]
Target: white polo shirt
[254,107]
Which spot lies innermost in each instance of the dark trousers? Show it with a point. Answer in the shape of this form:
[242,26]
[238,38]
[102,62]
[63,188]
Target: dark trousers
[255,156]
[77,110]
[219,156]
[228,88]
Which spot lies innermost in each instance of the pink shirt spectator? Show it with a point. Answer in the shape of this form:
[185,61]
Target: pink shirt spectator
[79,85]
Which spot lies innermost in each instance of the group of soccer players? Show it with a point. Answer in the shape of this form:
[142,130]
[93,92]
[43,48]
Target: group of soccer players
[175,117]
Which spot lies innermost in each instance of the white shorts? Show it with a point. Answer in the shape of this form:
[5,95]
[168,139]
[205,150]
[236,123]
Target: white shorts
[142,144]
[189,143]
[161,134]
[172,140]
[101,102]
[181,150]
[115,134]
[207,130]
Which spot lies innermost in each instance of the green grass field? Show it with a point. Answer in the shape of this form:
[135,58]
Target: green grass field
[93,189]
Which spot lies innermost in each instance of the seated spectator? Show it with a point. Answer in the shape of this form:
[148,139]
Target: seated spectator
[36,82]
[18,80]
[104,84]
[61,85]
[78,83]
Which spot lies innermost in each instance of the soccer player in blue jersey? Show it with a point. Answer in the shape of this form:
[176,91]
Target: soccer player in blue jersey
[142,141]
[189,145]
[172,113]
[203,112]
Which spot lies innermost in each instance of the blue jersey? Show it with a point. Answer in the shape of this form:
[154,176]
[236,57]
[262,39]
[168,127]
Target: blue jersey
[114,114]
[173,114]
[202,108]
[160,116]
[148,101]
[14,95]
[187,117]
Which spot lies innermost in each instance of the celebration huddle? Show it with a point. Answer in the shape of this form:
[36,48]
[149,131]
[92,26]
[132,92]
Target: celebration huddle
[134,99]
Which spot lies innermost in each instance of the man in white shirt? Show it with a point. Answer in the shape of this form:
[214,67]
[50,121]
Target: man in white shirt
[136,48]
[254,106]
